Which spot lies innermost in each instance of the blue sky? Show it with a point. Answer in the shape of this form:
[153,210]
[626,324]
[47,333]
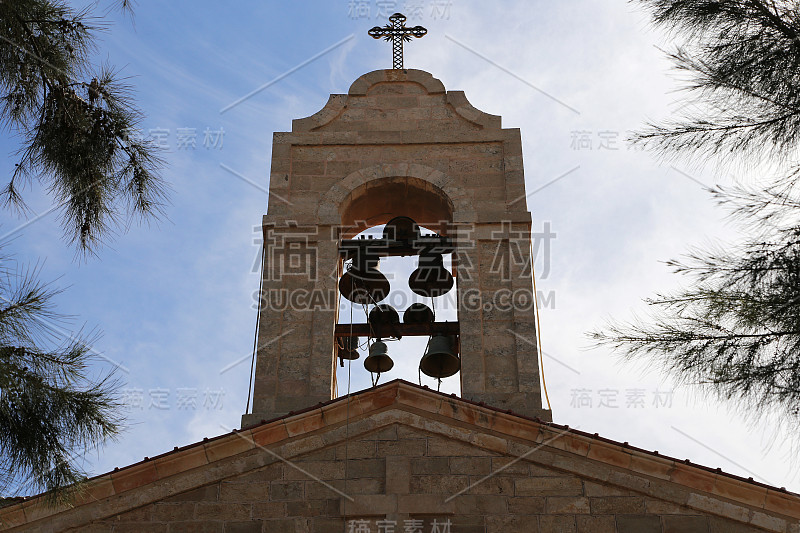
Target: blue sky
[174,299]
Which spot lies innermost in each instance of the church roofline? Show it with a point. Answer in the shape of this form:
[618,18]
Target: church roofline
[360,87]
[425,401]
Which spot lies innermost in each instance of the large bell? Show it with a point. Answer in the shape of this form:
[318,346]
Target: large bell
[401,229]
[378,360]
[347,348]
[418,313]
[383,318]
[430,278]
[363,283]
[440,360]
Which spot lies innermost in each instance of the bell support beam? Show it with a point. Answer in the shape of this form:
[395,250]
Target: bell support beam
[352,248]
[397,330]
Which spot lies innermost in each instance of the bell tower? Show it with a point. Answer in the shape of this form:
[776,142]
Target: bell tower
[397,145]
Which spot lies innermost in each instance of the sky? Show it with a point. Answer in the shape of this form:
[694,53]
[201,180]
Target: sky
[173,301]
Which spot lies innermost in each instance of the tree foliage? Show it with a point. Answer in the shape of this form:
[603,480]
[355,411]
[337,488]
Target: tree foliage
[78,137]
[736,329]
[77,127]
[50,411]
[742,63]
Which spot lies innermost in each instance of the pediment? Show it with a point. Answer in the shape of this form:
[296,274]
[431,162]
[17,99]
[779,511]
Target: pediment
[401,450]
[397,100]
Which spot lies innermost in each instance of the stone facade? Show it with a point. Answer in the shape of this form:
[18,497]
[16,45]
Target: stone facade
[400,452]
[397,144]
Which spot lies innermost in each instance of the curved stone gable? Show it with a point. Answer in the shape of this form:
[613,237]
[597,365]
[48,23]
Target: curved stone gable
[397,100]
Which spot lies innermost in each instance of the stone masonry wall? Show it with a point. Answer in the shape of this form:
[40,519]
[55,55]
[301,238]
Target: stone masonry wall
[393,126]
[401,474]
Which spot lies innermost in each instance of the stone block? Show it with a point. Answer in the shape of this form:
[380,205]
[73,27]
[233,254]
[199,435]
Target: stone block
[510,466]
[286,490]
[142,514]
[549,486]
[134,476]
[447,484]
[242,492]
[718,507]
[270,509]
[609,454]
[638,524]
[398,475]
[768,522]
[180,461]
[471,465]
[685,524]
[282,525]
[661,507]
[617,505]
[557,524]
[194,527]
[207,512]
[600,489]
[407,447]
[359,468]
[249,526]
[356,450]
[326,525]
[329,507]
[173,512]
[229,446]
[369,505]
[782,503]
[567,505]
[511,524]
[527,505]
[437,447]
[137,528]
[595,524]
[691,476]
[430,465]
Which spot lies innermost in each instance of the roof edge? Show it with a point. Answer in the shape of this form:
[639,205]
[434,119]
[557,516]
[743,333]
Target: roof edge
[426,401]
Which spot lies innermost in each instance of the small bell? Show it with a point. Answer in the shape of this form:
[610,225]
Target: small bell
[431,278]
[401,229]
[418,313]
[382,318]
[440,360]
[383,315]
[363,283]
[347,348]
[378,360]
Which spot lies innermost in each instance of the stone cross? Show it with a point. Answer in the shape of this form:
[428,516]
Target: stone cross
[397,32]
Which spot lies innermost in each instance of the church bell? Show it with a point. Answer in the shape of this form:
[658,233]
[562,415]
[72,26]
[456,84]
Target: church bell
[363,283]
[383,315]
[402,229]
[440,360]
[382,318]
[347,348]
[431,278]
[418,313]
[378,360]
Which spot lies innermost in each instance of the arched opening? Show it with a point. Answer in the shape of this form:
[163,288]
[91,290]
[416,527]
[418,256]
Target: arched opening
[364,212]
[378,201]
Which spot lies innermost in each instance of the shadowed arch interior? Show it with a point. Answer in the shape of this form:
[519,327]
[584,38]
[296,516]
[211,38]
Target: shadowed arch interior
[380,200]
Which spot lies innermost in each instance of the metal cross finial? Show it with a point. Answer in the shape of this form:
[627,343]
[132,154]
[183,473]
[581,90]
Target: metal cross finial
[397,33]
